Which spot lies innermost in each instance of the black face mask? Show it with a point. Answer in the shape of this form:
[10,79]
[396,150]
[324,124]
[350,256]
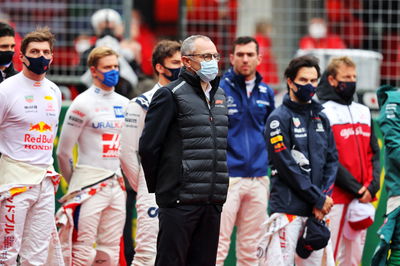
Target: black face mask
[108,32]
[346,90]
[6,57]
[304,92]
[38,65]
[174,73]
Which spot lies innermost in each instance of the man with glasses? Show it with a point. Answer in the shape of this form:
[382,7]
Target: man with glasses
[250,101]
[183,153]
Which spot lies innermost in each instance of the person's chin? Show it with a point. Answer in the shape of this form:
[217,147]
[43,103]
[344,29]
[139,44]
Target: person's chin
[244,72]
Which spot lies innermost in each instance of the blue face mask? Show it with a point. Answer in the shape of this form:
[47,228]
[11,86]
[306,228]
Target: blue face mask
[111,78]
[174,73]
[208,70]
[304,92]
[38,65]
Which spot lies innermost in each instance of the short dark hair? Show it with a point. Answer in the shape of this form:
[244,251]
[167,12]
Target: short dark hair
[245,40]
[162,50]
[6,30]
[299,62]
[39,35]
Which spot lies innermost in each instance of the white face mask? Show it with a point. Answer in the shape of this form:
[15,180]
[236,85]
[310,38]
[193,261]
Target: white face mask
[82,45]
[317,30]
[208,70]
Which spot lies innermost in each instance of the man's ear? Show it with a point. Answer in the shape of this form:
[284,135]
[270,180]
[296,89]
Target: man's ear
[93,70]
[231,57]
[186,61]
[332,81]
[22,58]
[290,83]
[259,58]
[159,68]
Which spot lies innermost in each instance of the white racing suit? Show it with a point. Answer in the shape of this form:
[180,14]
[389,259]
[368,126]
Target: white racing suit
[278,246]
[146,207]
[348,252]
[29,111]
[93,199]
[27,215]
[94,121]
[245,207]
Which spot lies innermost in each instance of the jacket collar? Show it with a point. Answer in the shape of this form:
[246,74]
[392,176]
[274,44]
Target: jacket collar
[10,71]
[314,106]
[326,92]
[239,79]
[194,81]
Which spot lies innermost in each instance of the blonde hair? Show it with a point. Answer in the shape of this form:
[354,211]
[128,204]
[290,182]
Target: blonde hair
[99,52]
[335,63]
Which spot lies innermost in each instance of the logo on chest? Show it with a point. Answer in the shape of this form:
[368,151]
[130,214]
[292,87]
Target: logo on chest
[119,112]
[110,145]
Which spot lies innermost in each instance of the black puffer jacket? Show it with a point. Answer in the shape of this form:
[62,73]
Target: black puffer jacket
[183,145]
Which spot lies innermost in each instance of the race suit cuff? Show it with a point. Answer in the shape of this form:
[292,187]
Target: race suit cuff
[320,202]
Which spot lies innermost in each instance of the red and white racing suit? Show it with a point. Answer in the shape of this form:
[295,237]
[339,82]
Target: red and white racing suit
[351,126]
[94,121]
[146,207]
[29,113]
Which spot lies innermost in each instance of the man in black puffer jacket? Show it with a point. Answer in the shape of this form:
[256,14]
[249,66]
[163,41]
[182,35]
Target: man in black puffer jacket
[183,153]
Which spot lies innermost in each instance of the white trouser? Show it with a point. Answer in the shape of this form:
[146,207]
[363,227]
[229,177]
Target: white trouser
[278,246]
[100,227]
[288,239]
[348,252]
[26,223]
[147,225]
[245,207]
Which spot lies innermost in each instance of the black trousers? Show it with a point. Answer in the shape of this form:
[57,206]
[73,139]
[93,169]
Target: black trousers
[188,235]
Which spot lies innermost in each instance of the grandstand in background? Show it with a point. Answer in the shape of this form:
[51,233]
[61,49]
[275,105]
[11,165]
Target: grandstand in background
[362,24]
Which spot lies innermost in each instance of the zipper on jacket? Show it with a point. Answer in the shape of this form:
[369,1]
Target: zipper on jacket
[358,145]
[209,104]
[213,135]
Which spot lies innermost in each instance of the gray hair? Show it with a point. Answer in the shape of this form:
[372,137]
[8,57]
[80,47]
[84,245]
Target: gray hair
[188,44]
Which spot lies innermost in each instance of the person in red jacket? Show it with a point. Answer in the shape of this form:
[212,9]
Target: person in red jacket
[267,68]
[357,178]
[319,38]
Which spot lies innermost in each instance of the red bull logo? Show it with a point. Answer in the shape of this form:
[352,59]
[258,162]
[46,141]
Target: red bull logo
[40,127]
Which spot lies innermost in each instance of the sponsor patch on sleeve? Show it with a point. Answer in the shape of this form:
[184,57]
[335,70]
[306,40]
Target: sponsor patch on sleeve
[390,110]
[276,139]
[278,147]
[274,124]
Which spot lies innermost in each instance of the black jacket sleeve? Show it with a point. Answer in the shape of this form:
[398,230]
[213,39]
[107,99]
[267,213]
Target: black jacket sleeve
[162,111]
[346,181]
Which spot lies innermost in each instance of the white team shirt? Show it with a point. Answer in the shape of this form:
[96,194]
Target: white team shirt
[29,112]
[134,123]
[93,121]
